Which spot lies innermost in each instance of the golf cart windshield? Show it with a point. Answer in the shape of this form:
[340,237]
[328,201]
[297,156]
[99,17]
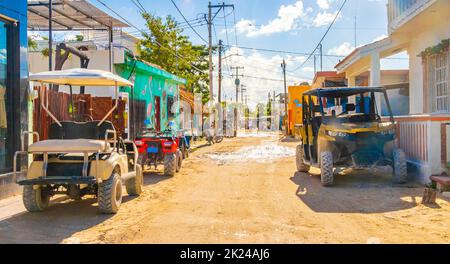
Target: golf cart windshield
[80,77]
[348,105]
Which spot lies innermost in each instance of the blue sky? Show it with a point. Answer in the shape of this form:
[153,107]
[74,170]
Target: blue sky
[289,25]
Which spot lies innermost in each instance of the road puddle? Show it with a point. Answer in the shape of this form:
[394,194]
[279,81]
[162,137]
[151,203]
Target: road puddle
[261,154]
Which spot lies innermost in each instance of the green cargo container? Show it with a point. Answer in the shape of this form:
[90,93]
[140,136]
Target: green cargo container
[155,91]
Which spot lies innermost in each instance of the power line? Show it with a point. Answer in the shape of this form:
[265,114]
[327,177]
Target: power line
[157,43]
[138,6]
[181,13]
[323,37]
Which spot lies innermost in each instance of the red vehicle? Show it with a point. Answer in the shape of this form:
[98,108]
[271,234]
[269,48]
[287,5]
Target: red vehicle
[159,148]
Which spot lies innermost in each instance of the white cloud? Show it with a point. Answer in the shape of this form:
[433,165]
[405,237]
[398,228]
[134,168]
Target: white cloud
[324,18]
[324,4]
[343,50]
[286,21]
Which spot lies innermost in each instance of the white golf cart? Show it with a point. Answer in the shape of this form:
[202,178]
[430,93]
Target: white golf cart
[79,158]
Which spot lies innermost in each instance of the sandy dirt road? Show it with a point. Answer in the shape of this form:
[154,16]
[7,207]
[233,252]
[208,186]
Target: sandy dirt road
[223,195]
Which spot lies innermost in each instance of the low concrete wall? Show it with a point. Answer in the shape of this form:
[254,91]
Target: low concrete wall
[7,187]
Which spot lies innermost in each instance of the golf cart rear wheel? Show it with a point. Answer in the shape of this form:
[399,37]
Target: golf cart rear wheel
[110,194]
[301,166]
[179,160]
[170,164]
[326,168]
[400,168]
[134,185]
[35,200]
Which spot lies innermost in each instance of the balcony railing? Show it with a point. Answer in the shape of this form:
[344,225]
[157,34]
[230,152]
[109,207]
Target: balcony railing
[400,11]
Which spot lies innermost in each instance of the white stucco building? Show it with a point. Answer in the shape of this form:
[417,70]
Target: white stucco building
[421,28]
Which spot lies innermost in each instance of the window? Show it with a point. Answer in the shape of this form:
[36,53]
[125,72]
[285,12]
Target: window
[439,82]
[5,104]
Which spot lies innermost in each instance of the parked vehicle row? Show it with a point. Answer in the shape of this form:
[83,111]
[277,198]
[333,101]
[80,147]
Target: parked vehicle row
[88,157]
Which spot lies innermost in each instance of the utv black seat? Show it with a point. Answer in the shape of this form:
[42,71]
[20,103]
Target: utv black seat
[80,130]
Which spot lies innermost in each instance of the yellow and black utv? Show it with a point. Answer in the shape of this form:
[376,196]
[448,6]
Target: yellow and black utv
[342,128]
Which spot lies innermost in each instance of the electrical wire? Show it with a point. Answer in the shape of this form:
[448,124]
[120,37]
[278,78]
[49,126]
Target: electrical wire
[193,29]
[157,43]
[324,35]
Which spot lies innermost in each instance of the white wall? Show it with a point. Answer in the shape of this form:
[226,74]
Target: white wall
[419,42]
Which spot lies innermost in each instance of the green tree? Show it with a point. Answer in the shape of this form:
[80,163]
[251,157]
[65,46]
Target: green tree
[163,41]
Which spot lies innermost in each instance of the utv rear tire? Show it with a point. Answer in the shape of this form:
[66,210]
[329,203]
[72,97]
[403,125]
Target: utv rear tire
[326,168]
[400,168]
[179,160]
[35,200]
[170,164]
[134,185]
[301,166]
[110,194]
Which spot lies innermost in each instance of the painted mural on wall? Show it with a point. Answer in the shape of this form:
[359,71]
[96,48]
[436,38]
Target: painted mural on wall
[153,87]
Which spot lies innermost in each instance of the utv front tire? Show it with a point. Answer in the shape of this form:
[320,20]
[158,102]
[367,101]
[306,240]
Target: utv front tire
[170,164]
[400,168]
[134,185]
[35,200]
[301,166]
[326,168]
[110,194]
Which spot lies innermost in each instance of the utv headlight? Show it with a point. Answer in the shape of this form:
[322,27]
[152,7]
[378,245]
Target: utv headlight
[336,134]
[388,132]
[168,144]
[139,143]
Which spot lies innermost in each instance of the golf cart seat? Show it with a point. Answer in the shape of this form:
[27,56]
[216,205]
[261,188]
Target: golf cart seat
[69,145]
[80,130]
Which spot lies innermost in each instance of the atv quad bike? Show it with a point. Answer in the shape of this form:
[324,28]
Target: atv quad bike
[340,134]
[160,148]
[79,158]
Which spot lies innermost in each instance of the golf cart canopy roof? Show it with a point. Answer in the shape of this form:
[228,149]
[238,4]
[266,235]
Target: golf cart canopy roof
[80,77]
[343,92]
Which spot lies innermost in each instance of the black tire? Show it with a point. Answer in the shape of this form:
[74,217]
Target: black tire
[179,160]
[134,185]
[35,200]
[170,164]
[326,168]
[110,194]
[218,139]
[400,167]
[301,165]
[184,152]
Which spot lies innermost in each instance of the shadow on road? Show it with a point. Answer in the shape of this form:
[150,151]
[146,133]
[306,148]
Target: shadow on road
[356,192]
[154,177]
[61,220]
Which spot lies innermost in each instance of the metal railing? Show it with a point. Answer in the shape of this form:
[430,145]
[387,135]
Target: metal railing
[400,10]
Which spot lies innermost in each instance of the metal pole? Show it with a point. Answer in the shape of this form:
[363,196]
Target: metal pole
[283,65]
[50,35]
[111,61]
[220,71]
[321,58]
[211,91]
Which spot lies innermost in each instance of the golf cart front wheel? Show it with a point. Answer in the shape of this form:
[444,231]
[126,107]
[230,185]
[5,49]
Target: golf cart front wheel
[35,200]
[326,168]
[400,168]
[301,166]
[110,194]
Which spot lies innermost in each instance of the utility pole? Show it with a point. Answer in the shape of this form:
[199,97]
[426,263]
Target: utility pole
[210,23]
[243,89]
[50,35]
[283,66]
[315,64]
[321,57]
[237,82]
[220,70]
